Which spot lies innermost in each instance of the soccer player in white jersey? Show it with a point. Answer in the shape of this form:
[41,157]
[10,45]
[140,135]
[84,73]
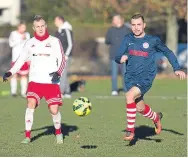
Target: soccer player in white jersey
[17,40]
[47,64]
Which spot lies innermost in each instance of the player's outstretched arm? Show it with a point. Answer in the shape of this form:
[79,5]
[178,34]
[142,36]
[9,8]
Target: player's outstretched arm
[181,74]
[168,53]
[121,55]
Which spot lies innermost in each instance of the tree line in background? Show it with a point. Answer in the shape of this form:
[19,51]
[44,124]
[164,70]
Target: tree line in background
[101,12]
[91,19]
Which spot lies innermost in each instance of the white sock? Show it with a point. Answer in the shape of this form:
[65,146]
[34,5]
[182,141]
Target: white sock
[23,83]
[29,119]
[13,85]
[57,120]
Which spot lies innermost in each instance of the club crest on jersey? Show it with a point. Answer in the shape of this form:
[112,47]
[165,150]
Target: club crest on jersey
[146,45]
[48,45]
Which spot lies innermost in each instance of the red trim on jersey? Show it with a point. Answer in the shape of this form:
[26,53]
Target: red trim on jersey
[63,62]
[42,38]
[138,53]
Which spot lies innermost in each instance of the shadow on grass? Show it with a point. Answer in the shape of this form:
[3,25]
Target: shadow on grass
[49,130]
[143,132]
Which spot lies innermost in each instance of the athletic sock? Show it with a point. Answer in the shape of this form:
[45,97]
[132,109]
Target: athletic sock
[28,122]
[131,116]
[57,123]
[150,114]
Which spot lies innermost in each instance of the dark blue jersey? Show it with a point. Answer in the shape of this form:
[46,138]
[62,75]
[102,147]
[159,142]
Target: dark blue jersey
[141,56]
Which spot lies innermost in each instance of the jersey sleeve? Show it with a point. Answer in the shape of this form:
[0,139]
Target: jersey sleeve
[60,56]
[160,46]
[122,50]
[12,40]
[24,55]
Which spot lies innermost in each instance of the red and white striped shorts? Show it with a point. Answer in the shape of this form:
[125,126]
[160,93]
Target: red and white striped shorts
[51,93]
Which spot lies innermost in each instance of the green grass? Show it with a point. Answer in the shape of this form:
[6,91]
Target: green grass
[103,127]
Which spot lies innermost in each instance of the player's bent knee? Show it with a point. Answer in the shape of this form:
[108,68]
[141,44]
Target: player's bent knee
[31,103]
[140,106]
[139,109]
[54,109]
[129,97]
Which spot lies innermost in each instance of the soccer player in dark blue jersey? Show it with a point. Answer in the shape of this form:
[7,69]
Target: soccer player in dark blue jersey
[138,51]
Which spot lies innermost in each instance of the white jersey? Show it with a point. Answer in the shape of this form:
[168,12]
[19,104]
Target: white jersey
[46,56]
[17,42]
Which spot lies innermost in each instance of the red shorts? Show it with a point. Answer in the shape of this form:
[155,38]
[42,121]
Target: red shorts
[24,69]
[51,93]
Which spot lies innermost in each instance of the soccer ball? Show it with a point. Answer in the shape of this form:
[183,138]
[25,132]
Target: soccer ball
[82,106]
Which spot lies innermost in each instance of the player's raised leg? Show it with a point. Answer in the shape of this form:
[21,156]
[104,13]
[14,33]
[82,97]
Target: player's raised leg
[133,93]
[56,117]
[29,119]
[147,112]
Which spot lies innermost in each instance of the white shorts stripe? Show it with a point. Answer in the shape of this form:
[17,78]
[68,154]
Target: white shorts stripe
[52,100]
[34,95]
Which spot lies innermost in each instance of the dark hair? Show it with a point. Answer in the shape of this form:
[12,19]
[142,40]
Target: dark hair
[137,16]
[38,18]
[61,17]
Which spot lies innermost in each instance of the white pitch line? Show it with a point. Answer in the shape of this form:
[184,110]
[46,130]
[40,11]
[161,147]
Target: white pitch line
[150,97]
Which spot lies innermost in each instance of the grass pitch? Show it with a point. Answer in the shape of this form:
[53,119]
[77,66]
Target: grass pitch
[101,132]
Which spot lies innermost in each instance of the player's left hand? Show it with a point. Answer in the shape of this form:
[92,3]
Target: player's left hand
[124,58]
[55,77]
[181,74]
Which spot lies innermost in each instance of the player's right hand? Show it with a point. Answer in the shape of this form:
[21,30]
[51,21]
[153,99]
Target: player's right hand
[6,75]
[123,59]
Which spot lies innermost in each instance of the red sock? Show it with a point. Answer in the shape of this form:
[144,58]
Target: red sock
[150,114]
[131,116]
[58,131]
[28,134]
